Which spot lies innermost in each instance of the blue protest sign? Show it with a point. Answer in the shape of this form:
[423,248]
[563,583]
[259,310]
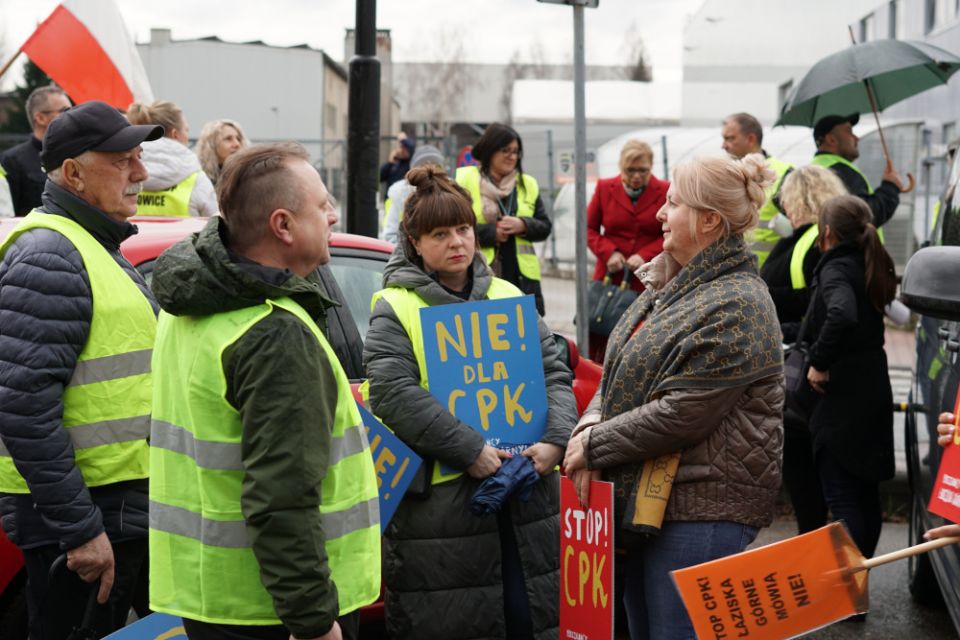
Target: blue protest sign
[485,366]
[156,626]
[394,462]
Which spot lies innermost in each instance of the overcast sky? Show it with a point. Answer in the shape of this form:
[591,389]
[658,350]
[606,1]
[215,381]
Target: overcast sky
[491,30]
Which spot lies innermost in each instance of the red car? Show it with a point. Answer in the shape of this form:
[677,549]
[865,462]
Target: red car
[353,275]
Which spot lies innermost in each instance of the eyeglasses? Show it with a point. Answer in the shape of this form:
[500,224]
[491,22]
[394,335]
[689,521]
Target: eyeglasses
[513,152]
[639,170]
[60,110]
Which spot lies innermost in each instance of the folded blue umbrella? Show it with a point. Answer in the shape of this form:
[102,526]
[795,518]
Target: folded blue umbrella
[516,477]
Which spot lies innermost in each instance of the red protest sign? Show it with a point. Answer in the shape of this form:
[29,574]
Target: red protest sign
[778,591]
[945,499]
[586,562]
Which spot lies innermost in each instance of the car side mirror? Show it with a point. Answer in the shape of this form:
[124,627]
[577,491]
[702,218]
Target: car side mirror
[930,284]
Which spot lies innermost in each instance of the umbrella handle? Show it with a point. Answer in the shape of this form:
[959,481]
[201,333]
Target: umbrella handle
[915,550]
[911,185]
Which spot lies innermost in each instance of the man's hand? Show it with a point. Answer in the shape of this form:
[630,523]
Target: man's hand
[945,428]
[487,463]
[890,175]
[576,458]
[94,559]
[817,379]
[581,483]
[511,226]
[615,263]
[334,634]
[545,456]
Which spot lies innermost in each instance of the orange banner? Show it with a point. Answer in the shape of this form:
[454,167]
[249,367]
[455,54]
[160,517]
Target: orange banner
[778,591]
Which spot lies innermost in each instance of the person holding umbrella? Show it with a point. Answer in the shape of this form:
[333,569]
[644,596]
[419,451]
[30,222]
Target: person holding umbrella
[837,148]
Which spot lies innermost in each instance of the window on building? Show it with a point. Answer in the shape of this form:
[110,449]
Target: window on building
[783,92]
[940,12]
[895,20]
[867,28]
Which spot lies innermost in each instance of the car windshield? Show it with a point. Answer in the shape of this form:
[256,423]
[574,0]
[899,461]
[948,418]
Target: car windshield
[359,278]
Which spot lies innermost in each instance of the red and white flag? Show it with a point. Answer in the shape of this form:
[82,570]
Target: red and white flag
[84,46]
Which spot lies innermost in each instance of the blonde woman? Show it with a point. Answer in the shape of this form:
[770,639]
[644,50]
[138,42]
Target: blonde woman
[218,141]
[175,186]
[687,420]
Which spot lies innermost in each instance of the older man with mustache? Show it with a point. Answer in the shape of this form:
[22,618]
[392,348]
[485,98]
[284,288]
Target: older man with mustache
[77,326]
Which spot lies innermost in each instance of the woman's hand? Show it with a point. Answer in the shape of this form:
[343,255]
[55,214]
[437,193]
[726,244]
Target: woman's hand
[487,463]
[817,379]
[576,457]
[615,263]
[658,271]
[945,428]
[511,226]
[634,262]
[545,456]
[581,482]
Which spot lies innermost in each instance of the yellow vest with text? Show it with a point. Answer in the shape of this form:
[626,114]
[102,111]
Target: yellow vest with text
[797,278]
[106,403]
[174,202]
[406,304]
[763,238]
[527,261]
[202,565]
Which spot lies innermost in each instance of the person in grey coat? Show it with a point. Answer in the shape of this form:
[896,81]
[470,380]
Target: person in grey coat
[448,573]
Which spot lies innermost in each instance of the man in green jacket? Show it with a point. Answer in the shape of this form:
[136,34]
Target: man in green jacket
[263,517]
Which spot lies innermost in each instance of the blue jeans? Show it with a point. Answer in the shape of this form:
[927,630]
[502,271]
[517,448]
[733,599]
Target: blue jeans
[654,608]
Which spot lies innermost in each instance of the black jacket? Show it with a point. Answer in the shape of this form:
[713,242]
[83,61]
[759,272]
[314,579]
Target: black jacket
[538,230]
[854,418]
[24,175]
[883,201]
[790,303]
[45,313]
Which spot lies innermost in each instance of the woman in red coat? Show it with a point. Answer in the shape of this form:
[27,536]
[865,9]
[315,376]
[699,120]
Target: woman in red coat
[622,227]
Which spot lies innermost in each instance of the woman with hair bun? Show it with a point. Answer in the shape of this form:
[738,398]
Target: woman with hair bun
[687,422]
[175,184]
[852,421]
[449,573]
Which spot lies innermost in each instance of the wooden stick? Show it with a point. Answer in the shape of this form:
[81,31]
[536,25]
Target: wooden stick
[909,551]
[873,107]
[9,63]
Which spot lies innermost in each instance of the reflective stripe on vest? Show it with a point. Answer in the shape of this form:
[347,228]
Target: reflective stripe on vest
[827,160]
[800,250]
[762,239]
[527,261]
[106,403]
[202,564]
[406,304]
[174,201]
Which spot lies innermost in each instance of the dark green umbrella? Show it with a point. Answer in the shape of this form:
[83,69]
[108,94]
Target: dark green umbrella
[892,70]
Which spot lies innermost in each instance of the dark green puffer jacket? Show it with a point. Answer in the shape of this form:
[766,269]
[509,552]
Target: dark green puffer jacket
[442,564]
[283,385]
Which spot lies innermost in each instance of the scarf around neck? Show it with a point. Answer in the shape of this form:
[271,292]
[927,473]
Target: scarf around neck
[712,326]
[491,194]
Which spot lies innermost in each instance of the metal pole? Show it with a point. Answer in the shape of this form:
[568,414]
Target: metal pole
[666,162]
[363,133]
[551,189]
[580,200]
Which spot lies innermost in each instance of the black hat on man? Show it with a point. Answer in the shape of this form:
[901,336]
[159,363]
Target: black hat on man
[92,126]
[826,124]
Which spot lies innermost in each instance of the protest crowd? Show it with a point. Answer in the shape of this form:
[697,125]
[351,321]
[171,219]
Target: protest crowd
[193,446]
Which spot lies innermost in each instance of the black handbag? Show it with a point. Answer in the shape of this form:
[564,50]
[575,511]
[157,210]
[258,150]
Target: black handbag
[800,396]
[606,302]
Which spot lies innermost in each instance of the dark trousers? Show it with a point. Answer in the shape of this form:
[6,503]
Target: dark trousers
[349,626]
[57,603]
[854,501]
[516,604]
[800,475]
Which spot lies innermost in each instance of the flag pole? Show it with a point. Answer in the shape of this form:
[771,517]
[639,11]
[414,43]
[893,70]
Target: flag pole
[9,63]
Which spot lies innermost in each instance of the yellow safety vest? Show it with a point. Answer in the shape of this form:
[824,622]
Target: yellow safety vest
[174,201]
[807,240]
[202,565]
[762,238]
[527,261]
[106,404]
[406,304]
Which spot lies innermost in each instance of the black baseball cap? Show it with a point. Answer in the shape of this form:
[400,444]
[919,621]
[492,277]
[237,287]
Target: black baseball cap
[92,126]
[826,124]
